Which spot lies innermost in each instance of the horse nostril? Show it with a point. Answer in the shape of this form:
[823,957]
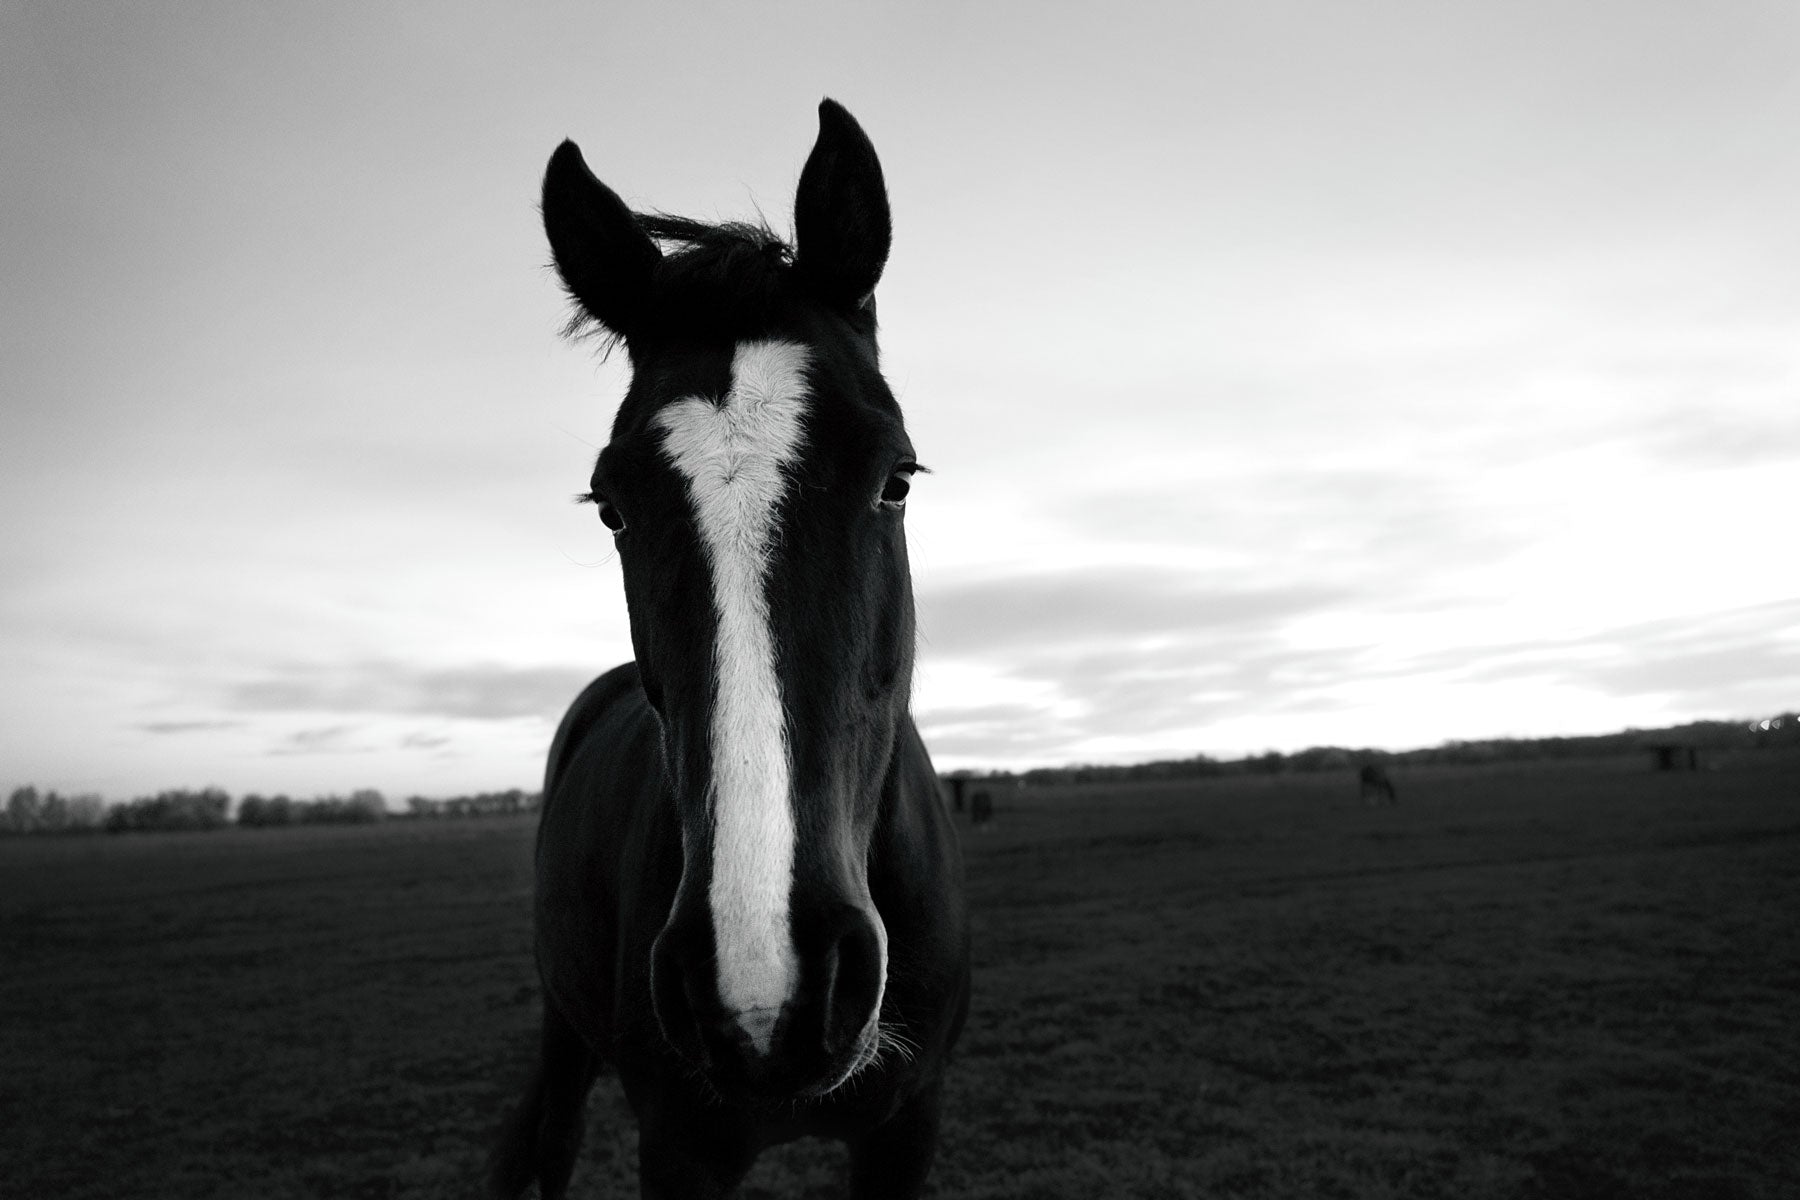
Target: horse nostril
[674,1003]
[853,984]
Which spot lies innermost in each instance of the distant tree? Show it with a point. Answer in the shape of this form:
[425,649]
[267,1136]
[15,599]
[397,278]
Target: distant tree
[208,808]
[24,808]
[367,804]
[53,815]
[479,804]
[262,811]
[1319,758]
[87,813]
[1267,764]
[359,808]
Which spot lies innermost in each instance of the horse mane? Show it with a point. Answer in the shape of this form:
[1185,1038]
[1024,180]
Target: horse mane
[728,278]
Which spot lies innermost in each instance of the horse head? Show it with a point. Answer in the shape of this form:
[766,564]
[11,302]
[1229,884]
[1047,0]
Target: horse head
[755,485]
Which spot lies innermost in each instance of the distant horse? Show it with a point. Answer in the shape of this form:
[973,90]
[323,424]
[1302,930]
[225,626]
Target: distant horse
[957,786]
[1376,787]
[749,892]
[981,808]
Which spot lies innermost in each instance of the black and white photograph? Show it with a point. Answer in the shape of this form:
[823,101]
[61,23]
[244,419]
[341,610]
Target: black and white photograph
[996,601]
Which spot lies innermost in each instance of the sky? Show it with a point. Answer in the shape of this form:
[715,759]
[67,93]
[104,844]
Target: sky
[1291,374]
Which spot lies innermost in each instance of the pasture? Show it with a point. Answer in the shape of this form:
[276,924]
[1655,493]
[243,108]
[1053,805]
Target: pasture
[1567,980]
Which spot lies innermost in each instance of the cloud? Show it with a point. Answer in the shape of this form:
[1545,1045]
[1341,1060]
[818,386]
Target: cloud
[1101,606]
[1717,653]
[1016,730]
[1030,740]
[164,727]
[1329,520]
[486,692]
[330,739]
[1127,664]
[1129,652]
[1102,662]
[1692,436]
[1186,686]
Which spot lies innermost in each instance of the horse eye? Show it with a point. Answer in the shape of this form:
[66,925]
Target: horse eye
[609,515]
[893,495]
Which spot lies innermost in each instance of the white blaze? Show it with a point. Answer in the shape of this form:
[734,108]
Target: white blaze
[732,455]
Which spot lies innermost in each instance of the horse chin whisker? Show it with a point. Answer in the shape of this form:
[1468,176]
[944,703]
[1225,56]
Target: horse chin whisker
[890,1040]
[866,1058]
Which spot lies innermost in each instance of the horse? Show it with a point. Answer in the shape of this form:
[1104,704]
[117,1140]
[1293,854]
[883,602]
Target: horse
[981,808]
[1375,786]
[749,892]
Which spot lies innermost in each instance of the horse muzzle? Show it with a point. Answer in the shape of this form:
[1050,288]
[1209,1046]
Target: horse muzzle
[824,1031]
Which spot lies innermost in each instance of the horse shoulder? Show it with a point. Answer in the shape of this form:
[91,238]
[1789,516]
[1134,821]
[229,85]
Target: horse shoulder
[603,845]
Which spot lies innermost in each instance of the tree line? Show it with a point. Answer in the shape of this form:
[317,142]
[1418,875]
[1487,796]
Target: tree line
[1782,730]
[30,811]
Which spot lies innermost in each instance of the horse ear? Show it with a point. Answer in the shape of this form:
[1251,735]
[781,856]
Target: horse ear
[606,262]
[841,226]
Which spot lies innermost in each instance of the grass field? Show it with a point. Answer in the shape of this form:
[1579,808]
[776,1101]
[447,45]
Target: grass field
[1573,980]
